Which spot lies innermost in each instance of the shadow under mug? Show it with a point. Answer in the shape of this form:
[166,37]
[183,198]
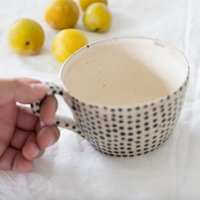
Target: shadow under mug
[123,131]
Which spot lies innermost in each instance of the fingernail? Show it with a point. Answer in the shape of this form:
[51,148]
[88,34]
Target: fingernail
[52,141]
[38,86]
[36,152]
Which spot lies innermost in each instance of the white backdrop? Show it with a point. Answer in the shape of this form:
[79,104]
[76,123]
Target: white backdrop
[72,169]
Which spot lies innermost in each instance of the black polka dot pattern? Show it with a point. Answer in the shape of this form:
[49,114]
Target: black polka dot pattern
[122,131]
[59,121]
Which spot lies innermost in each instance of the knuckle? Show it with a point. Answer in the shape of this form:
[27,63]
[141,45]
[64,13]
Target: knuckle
[16,83]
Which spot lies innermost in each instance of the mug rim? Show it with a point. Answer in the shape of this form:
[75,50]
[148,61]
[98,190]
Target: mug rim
[157,42]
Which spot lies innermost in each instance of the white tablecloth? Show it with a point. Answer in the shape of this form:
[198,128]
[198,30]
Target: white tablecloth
[72,169]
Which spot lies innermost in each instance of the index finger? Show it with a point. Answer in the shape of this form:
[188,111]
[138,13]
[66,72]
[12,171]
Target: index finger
[21,90]
[27,80]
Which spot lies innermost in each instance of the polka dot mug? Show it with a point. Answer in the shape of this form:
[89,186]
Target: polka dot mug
[122,130]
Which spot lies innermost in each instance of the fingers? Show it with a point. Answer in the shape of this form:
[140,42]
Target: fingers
[19,138]
[36,144]
[26,146]
[21,91]
[28,80]
[12,159]
[31,150]
[33,143]
[48,109]
[47,136]
[20,164]
[26,120]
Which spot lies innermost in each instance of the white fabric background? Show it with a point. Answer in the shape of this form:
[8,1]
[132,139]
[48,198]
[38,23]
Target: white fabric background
[72,169]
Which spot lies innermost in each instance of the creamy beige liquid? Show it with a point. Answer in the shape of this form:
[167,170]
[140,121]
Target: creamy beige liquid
[121,77]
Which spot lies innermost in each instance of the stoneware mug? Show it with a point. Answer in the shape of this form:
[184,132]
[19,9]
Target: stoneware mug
[116,126]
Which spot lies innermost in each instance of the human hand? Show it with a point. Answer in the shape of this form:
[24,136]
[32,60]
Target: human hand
[24,137]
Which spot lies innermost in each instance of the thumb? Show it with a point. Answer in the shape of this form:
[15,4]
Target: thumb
[20,91]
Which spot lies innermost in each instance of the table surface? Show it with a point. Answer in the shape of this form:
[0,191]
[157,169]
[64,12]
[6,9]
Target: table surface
[72,169]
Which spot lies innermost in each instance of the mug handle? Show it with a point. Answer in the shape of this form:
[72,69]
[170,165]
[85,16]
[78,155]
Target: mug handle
[61,121]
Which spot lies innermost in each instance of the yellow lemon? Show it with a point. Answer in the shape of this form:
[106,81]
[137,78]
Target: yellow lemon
[25,37]
[67,42]
[61,14]
[85,3]
[97,17]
